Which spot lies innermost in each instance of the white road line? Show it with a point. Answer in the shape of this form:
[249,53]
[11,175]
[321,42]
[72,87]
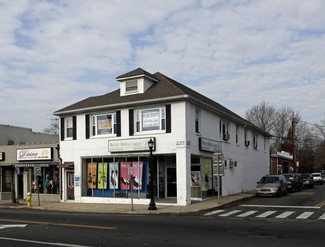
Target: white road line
[284,214]
[266,214]
[305,215]
[248,213]
[277,206]
[322,217]
[214,212]
[41,242]
[230,213]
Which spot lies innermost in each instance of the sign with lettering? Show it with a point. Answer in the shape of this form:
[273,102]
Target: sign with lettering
[130,145]
[150,120]
[209,145]
[2,156]
[34,154]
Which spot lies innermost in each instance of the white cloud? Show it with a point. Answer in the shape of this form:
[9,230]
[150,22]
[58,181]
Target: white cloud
[240,52]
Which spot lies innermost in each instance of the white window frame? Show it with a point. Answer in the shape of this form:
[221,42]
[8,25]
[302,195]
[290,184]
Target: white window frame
[131,86]
[68,128]
[139,120]
[94,125]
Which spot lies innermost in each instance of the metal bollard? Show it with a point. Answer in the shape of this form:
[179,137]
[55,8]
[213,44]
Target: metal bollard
[29,199]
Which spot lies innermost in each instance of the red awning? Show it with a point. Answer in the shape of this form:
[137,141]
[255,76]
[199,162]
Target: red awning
[66,165]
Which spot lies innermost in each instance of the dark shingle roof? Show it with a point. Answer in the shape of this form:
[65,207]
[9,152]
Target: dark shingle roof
[165,88]
[136,72]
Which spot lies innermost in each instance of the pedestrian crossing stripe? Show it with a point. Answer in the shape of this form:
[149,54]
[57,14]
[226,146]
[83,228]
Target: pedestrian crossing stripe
[305,215]
[284,215]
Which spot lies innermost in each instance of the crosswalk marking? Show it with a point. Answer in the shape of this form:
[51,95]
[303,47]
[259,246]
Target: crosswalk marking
[247,213]
[230,213]
[284,214]
[214,212]
[322,217]
[266,214]
[305,215]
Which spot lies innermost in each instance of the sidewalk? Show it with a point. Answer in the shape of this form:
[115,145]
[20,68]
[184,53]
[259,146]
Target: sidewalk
[196,207]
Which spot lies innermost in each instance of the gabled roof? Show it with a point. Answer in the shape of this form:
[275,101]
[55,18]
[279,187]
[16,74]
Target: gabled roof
[136,73]
[166,89]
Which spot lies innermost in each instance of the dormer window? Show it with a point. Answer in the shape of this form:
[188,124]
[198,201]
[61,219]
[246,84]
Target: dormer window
[135,82]
[131,86]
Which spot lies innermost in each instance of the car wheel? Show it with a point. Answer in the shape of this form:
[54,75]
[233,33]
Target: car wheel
[286,192]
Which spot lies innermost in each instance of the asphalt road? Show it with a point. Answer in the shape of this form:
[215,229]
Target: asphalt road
[46,228]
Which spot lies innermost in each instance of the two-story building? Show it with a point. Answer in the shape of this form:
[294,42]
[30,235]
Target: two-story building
[104,142]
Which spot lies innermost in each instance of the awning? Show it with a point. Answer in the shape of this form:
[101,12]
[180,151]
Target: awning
[34,164]
[5,164]
[66,165]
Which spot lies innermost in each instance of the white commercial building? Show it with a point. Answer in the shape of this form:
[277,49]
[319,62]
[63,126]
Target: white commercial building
[104,142]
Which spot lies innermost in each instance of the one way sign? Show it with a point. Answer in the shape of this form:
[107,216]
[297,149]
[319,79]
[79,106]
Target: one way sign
[12,226]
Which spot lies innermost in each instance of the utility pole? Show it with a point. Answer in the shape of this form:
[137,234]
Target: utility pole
[294,143]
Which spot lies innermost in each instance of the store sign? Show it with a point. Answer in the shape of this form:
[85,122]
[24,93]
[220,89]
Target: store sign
[2,156]
[209,145]
[34,154]
[130,145]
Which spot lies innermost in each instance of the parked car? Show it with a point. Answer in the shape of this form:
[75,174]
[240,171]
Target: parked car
[307,181]
[272,185]
[294,182]
[317,178]
[323,177]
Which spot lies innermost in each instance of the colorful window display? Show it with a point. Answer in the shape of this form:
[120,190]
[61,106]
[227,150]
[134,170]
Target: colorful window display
[113,179]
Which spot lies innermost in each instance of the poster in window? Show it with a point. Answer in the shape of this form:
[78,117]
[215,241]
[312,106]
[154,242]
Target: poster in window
[113,175]
[150,120]
[125,175]
[137,168]
[207,174]
[102,176]
[92,175]
[195,178]
[104,125]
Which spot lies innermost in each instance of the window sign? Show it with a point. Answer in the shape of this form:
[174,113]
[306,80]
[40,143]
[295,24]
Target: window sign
[104,124]
[150,120]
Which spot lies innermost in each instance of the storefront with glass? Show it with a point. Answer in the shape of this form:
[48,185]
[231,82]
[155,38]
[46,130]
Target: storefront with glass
[36,171]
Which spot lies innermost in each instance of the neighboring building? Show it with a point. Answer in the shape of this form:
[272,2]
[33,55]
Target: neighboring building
[281,162]
[33,168]
[19,171]
[104,140]
[12,135]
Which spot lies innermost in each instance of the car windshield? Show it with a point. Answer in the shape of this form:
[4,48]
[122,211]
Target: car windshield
[290,177]
[269,180]
[315,175]
[305,176]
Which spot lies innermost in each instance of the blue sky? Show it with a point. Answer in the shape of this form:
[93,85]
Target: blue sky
[236,52]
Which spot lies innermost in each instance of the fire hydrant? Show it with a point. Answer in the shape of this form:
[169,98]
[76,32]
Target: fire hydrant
[29,199]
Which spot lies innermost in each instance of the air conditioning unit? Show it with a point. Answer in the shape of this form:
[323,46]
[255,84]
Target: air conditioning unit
[226,136]
[247,143]
[232,164]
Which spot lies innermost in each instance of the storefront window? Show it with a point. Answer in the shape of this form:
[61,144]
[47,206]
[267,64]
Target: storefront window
[6,178]
[114,177]
[45,180]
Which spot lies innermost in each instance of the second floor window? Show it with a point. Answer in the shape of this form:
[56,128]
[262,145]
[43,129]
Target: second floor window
[69,128]
[150,119]
[103,124]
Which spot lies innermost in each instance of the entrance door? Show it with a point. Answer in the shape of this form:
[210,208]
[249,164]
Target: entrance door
[70,185]
[20,185]
[171,182]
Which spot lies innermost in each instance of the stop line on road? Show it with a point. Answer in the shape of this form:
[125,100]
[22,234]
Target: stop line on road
[263,214]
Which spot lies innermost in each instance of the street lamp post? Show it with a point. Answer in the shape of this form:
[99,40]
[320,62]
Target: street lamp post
[152,204]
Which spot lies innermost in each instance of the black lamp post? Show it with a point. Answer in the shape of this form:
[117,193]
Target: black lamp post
[152,204]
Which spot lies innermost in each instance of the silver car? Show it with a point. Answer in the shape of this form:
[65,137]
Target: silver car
[272,185]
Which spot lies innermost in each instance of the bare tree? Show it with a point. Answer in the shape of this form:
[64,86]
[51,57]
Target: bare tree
[262,115]
[53,128]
